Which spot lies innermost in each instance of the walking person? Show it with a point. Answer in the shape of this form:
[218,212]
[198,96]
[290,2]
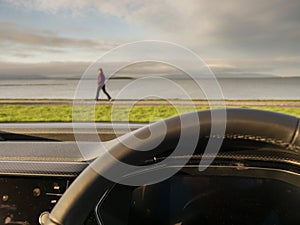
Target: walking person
[101,85]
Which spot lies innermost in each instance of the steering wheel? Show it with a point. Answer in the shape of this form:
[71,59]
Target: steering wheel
[258,126]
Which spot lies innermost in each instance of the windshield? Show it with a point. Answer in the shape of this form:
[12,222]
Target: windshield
[85,84]
[204,55]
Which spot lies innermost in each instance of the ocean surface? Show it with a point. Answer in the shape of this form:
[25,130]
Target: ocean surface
[227,88]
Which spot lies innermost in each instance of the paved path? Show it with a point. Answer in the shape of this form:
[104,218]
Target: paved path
[278,103]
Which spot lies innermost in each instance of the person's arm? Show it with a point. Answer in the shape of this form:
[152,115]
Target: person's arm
[99,79]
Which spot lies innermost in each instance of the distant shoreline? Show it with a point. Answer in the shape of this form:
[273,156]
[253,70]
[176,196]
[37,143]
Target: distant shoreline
[28,78]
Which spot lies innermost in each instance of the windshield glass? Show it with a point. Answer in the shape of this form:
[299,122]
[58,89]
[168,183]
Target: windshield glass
[205,55]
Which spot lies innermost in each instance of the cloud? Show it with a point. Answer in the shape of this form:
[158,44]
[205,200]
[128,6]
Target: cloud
[231,27]
[22,43]
[222,68]
[15,70]
[12,33]
[237,37]
[76,69]
[226,28]
[255,67]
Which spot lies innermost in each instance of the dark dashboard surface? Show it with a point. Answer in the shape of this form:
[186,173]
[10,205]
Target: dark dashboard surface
[38,161]
[211,200]
[24,199]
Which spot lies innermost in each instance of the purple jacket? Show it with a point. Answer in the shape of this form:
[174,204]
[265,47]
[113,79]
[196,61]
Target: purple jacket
[101,79]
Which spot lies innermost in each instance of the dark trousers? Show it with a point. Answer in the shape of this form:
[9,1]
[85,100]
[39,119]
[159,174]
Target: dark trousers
[103,89]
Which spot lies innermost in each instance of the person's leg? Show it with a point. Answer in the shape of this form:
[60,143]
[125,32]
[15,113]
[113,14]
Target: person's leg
[98,91]
[105,92]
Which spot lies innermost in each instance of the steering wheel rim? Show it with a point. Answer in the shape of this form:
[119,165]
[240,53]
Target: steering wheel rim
[84,193]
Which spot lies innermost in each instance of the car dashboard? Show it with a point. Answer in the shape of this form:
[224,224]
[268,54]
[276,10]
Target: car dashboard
[248,182]
[24,199]
[38,162]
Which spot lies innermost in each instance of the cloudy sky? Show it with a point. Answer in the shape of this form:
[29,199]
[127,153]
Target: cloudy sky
[235,37]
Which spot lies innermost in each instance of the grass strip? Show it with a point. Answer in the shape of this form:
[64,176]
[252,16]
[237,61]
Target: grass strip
[106,113]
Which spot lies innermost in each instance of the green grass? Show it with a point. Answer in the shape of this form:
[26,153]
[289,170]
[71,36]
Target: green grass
[63,113]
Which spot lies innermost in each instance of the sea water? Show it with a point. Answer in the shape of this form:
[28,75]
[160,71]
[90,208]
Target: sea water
[227,88]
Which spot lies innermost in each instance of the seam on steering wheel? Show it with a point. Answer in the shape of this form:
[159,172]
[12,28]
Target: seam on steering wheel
[274,141]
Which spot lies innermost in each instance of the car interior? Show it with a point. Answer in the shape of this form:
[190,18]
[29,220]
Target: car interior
[253,178]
